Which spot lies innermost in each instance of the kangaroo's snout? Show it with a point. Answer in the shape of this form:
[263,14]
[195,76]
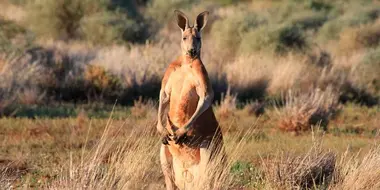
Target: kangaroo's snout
[192,52]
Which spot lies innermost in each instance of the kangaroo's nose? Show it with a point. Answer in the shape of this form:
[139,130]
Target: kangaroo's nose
[192,51]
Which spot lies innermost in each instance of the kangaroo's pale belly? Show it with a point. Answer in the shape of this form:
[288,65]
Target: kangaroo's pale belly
[183,99]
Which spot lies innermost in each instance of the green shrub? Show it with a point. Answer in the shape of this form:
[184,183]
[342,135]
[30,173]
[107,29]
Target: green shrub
[330,30]
[57,19]
[369,70]
[351,18]
[8,32]
[10,29]
[369,35]
[96,21]
[312,22]
[130,7]
[365,16]
[356,39]
[18,2]
[284,11]
[161,10]
[228,33]
[226,2]
[263,38]
[291,38]
[290,32]
[5,44]
[105,28]
[319,5]
[274,39]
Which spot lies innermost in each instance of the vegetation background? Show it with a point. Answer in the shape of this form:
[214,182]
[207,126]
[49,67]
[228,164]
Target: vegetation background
[297,85]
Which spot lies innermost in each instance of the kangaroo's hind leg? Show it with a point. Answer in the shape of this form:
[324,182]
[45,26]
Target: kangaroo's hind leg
[167,167]
[212,163]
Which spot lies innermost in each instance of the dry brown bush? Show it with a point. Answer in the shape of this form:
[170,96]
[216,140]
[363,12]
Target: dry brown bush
[320,58]
[255,108]
[19,82]
[302,111]
[100,79]
[11,170]
[355,39]
[310,171]
[31,96]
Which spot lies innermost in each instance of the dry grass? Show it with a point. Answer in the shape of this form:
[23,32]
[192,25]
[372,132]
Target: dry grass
[302,111]
[144,109]
[227,106]
[288,73]
[11,170]
[255,108]
[248,76]
[138,66]
[132,163]
[12,12]
[255,76]
[354,173]
[81,153]
[135,167]
[16,84]
[313,170]
[31,96]
[128,164]
[318,169]
[354,39]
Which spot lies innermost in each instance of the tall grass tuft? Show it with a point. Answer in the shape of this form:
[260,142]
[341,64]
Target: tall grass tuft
[315,169]
[302,111]
[133,163]
[228,105]
[127,164]
[354,173]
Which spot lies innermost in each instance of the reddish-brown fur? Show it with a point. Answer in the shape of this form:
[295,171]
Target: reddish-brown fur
[184,74]
[191,124]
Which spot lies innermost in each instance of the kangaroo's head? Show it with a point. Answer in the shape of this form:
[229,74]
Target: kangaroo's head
[191,35]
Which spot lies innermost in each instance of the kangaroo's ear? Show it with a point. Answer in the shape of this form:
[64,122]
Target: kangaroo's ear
[201,20]
[182,20]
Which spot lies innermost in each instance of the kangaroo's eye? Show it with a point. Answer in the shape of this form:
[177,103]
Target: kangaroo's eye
[184,38]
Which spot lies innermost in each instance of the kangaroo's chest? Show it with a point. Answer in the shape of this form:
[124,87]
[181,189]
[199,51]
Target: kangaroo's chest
[183,95]
[183,85]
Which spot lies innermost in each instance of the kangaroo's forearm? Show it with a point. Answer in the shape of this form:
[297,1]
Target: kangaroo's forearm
[160,114]
[203,104]
[163,103]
